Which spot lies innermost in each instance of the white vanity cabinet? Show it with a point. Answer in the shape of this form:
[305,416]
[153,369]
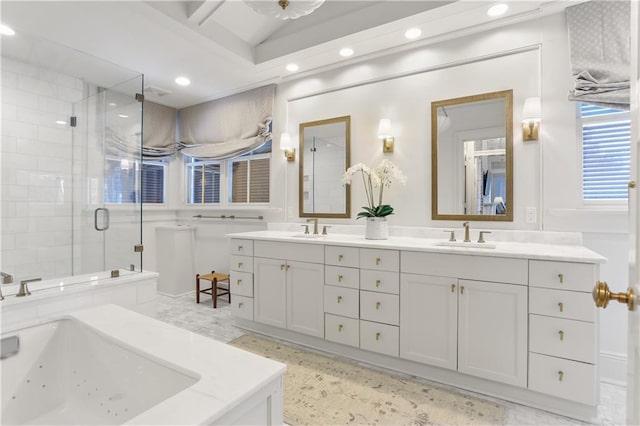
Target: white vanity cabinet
[241,278]
[288,288]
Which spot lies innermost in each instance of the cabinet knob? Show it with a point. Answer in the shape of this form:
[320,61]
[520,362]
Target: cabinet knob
[453,288]
[238,282]
[461,289]
[561,278]
[378,336]
[561,306]
[560,375]
[340,277]
[288,267]
[340,327]
[378,304]
[339,299]
[240,305]
[282,267]
[239,265]
[240,248]
[561,334]
[378,260]
[378,283]
[340,257]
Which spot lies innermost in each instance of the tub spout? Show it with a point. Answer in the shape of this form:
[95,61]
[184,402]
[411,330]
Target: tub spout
[6,278]
[24,290]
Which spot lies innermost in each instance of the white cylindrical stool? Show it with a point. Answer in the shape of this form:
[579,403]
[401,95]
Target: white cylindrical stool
[175,259]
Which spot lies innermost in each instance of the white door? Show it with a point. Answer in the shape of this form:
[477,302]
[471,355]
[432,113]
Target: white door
[270,291]
[305,298]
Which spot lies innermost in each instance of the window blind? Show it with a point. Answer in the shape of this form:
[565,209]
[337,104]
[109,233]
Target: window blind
[606,153]
[152,183]
[204,183]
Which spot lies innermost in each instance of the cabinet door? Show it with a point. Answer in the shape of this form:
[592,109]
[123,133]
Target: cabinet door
[428,320]
[270,291]
[492,327]
[305,302]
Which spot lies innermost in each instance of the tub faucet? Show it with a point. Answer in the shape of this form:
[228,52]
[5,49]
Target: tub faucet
[24,290]
[466,232]
[315,225]
[6,278]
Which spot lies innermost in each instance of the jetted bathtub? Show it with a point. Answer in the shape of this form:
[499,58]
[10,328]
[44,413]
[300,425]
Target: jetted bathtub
[109,365]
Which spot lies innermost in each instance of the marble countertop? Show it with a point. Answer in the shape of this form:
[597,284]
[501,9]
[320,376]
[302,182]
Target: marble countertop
[227,375]
[538,251]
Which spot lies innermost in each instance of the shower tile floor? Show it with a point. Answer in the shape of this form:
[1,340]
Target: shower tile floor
[217,324]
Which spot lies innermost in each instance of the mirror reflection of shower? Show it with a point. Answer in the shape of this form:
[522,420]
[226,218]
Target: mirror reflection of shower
[485,176]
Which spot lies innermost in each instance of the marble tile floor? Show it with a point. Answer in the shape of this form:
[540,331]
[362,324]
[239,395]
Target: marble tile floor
[217,324]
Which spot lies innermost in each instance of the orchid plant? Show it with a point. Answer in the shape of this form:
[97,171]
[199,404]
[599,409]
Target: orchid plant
[378,178]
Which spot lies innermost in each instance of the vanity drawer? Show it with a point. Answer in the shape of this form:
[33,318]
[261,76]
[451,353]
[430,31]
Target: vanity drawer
[381,338]
[241,283]
[342,330]
[342,277]
[312,253]
[380,307]
[565,379]
[562,337]
[241,247]
[381,260]
[242,307]
[562,275]
[562,304]
[241,263]
[478,268]
[382,281]
[341,301]
[342,256]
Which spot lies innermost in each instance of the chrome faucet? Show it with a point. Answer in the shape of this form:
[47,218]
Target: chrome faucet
[466,232]
[315,225]
[6,278]
[24,290]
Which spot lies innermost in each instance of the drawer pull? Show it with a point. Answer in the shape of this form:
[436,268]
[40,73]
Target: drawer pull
[340,257]
[340,327]
[239,265]
[340,277]
[561,307]
[377,283]
[378,304]
[238,282]
[339,298]
[240,248]
[378,260]
[240,305]
[561,334]
[378,336]
[282,267]
[453,288]
[561,278]
[461,289]
[560,375]
[288,267]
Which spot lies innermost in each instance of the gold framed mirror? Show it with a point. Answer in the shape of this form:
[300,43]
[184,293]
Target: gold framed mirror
[472,158]
[325,147]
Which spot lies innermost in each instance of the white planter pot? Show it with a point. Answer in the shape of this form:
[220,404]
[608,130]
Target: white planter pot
[376,228]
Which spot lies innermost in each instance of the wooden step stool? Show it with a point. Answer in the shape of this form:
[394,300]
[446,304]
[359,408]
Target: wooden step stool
[214,291]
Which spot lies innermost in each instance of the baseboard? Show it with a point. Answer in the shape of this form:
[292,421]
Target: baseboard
[613,368]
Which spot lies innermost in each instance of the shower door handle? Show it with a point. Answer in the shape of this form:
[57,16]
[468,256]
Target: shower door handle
[105,221]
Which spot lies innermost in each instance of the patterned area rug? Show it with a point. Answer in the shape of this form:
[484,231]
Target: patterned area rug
[321,390]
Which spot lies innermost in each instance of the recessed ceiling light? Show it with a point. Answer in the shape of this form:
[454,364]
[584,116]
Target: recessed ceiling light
[413,33]
[5,30]
[60,122]
[346,51]
[292,67]
[498,9]
[183,81]
[112,104]
[123,116]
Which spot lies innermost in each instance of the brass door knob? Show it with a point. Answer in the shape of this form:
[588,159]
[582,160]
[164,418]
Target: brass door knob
[602,295]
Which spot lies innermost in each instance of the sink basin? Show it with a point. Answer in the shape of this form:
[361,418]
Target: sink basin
[467,245]
[308,236]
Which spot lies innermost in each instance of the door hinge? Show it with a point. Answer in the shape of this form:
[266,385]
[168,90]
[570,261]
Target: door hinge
[139,97]
[73,121]
[138,248]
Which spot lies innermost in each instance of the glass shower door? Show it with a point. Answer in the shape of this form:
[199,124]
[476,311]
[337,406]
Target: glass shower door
[107,201]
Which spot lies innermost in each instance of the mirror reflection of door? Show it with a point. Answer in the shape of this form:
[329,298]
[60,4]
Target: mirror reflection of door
[485,176]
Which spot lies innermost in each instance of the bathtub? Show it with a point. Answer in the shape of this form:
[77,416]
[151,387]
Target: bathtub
[108,365]
[52,298]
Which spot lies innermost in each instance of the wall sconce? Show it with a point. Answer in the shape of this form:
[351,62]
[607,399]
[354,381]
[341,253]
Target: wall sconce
[384,133]
[531,117]
[286,144]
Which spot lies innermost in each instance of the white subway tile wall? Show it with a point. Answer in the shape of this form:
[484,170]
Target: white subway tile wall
[36,170]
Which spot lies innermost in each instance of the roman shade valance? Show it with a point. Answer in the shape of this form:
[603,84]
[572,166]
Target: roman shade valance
[228,127]
[599,46]
[159,136]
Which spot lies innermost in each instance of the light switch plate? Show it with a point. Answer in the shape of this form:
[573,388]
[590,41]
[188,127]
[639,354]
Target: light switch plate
[531,215]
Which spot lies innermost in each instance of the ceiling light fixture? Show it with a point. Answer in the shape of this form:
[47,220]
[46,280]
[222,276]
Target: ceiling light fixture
[6,30]
[292,67]
[284,9]
[346,51]
[413,33]
[183,81]
[498,9]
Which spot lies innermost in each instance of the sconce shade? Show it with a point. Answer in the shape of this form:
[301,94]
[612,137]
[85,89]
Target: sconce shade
[532,111]
[285,141]
[384,128]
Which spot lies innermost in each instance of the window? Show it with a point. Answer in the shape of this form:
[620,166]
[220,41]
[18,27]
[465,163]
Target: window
[203,181]
[249,181]
[606,152]
[123,177]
